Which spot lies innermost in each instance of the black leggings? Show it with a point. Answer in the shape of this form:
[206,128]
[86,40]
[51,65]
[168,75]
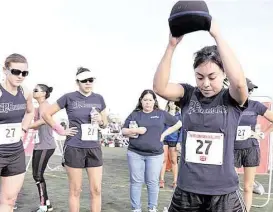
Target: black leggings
[39,162]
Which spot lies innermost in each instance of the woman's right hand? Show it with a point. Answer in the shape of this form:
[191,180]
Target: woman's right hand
[141,130]
[173,42]
[70,131]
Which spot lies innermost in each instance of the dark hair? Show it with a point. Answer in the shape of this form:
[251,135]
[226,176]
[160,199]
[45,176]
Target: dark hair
[46,89]
[81,70]
[147,91]
[14,58]
[208,54]
[177,109]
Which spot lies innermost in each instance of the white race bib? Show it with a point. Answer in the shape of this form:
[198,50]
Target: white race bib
[89,132]
[10,133]
[243,133]
[204,148]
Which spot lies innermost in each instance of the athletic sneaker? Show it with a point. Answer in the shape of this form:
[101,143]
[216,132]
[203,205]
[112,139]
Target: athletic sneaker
[153,209]
[15,206]
[49,208]
[137,210]
[44,208]
[258,188]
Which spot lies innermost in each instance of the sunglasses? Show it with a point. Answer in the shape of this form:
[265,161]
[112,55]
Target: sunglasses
[36,90]
[17,72]
[87,80]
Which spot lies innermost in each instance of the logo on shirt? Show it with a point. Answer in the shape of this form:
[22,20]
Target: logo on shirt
[248,113]
[195,107]
[7,107]
[154,117]
[83,104]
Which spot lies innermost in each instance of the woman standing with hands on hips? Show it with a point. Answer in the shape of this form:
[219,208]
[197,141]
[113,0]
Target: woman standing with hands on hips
[86,113]
[207,180]
[145,151]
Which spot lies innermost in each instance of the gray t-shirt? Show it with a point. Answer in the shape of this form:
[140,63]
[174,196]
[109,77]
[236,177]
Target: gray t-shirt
[249,119]
[46,139]
[78,108]
[209,130]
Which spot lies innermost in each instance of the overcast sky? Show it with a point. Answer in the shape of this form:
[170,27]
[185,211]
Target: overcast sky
[122,41]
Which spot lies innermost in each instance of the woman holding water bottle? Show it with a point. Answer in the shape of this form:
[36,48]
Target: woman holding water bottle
[82,149]
[145,128]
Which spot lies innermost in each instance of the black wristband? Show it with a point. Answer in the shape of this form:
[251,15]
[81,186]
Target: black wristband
[101,125]
[25,131]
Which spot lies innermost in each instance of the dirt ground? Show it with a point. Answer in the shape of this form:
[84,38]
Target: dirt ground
[115,188]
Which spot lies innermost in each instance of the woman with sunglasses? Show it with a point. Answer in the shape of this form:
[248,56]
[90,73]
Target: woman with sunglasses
[16,114]
[44,146]
[86,111]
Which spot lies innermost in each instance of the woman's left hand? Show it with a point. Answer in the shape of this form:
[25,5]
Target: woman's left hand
[214,29]
[97,117]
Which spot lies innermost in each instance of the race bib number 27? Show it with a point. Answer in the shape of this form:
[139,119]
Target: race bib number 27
[89,132]
[10,133]
[243,133]
[204,148]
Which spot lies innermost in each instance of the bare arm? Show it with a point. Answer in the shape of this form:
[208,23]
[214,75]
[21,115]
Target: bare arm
[238,87]
[269,116]
[133,131]
[103,123]
[35,125]
[129,132]
[171,129]
[43,107]
[29,114]
[47,115]
[161,85]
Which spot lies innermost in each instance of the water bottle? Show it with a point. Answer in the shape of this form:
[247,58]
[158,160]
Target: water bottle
[94,125]
[133,124]
[92,113]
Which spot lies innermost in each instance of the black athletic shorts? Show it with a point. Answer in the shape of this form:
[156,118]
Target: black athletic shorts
[82,158]
[13,165]
[183,201]
[170,143]
[247,157]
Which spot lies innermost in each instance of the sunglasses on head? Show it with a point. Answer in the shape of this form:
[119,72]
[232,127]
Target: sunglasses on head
[87,80]
[17,72]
